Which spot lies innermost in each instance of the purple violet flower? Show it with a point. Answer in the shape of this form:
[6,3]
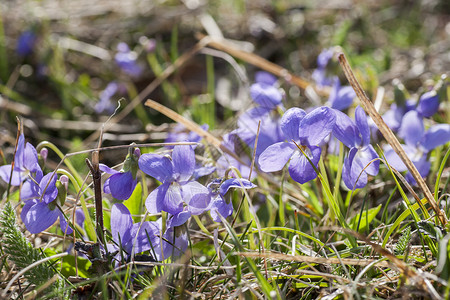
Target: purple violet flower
[25,164]
[121,184]
[130,235]
[269,131]
[341,97]
[356,136]
[308,131]
[265,94]
[233,143]
[320,75]
[393,117]
[428,104]
[418,143]
[175,242]
[265,78]
[180,134]
[177,193]
[105,104]
[26,43]
[218,187]
[127,60]
[41,211]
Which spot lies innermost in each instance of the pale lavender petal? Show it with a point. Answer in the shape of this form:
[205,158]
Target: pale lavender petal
[173,201]
[352,174]
[366,155]
[19,156]
[235,183]
[191,189]
[203,171]
[428,104]
[26,208]
[394,160]
[275,157]
[5,174]
[341,97]
[175,242]
[106,169]
[39,217]
[265,95]
[30,190]
[48,188]
[265,77]
[251,117]
[435,136]
[157,166]
[121,223]
[106,188]
[199,203]
[345,129]
[220,206]
[317,125]
[155,200]
[393,117]
[290,123]
[122,185]
[183,158]
[412,129]
[30,158]
[140,234]
[66,229]
[79,217]
[179,219]
[423,166]
[300,168]
[363,125]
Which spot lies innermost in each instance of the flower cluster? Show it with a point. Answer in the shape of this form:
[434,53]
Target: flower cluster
[267,134]
[38,191]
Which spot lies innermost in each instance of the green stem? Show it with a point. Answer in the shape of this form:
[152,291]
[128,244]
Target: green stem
[63,158]
[90,229]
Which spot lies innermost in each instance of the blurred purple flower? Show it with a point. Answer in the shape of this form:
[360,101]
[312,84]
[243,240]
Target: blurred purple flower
[41,211]
[26,43]
[356,136]
[180,134]
[341,97]
[320,75]
[428,104]
[232,142]
[393,117]
[267,96]
[308,131]
[127,60]
[269,131]
[418,143]
[105,104]
[263,77]
[25,164]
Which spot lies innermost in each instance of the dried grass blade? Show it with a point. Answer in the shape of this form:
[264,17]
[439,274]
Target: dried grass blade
[257,61]
[317,260]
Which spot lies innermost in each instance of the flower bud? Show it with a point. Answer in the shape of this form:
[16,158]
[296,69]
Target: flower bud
[62,185]
[131,161]
[42,157]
